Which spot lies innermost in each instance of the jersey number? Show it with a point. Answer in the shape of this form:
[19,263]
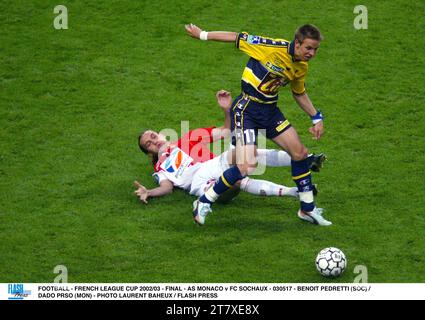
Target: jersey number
[249,136]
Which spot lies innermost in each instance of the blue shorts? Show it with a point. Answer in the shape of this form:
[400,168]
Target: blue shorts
[249,116]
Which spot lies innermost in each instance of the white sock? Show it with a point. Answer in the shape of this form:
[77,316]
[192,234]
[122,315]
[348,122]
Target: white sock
[267,188]
[211,195]
[306,197]
[273,158]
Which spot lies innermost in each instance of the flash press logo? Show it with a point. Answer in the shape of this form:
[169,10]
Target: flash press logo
[16,291]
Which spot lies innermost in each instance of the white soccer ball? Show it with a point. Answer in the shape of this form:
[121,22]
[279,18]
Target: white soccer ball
[331,262]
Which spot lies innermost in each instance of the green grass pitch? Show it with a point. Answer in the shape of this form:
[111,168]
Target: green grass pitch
[72,103]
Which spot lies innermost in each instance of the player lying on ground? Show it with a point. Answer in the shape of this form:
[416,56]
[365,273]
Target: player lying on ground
[273,64]
[188,163]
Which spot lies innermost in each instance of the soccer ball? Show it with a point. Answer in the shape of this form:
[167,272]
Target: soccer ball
[331,262]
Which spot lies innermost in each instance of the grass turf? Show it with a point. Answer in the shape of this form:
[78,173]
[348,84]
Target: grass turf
[73,102]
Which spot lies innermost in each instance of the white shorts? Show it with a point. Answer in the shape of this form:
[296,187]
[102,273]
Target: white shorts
[208,173]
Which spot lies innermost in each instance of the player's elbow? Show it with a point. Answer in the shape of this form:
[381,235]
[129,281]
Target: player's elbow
[167,187]
[299,97]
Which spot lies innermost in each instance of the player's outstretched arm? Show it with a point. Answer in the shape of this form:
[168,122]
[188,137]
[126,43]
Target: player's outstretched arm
[197,33]
[165,187]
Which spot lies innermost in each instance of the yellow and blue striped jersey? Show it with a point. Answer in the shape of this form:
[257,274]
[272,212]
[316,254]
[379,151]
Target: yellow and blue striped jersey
[271,66]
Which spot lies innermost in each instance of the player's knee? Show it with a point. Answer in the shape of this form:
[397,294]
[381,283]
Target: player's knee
[300,153]
[247,169]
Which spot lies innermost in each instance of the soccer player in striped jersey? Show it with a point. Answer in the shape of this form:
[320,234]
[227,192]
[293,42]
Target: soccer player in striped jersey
[188,163]
[273,63]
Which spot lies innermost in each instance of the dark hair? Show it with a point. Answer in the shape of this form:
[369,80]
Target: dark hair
[308,31]
[140,145]
[154,157]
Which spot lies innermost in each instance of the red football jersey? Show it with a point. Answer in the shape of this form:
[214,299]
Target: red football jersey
[179,162]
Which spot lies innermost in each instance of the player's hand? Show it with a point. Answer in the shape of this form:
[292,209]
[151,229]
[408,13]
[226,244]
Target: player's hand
[141,192]
[193,31]
[317,130]
[224,99]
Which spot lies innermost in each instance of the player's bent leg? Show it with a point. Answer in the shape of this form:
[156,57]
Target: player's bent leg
[301,174]
[202,206]
[246,164]
[245,139]
[280,158]
[226,181]
[229,195]
[290,141]
[267,188]
[246,158]
[225,197]
[273,158]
